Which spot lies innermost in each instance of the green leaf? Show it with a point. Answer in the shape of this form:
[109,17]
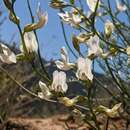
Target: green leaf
[72,1]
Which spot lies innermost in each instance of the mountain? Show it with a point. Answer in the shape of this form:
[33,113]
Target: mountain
[14,101]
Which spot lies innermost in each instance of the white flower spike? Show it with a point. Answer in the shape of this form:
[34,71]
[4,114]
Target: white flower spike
[92,4]
[84,69]
[120,6]
[64,64]
[30,42]
[6,55]
[59,82]
[93,47]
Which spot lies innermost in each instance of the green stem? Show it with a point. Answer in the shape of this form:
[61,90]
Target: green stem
[66,41]
[39,55]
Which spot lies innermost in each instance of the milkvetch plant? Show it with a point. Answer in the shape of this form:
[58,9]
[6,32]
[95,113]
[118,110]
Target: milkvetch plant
[108,46]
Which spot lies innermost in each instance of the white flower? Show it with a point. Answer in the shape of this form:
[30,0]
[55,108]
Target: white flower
[120,6]
[109,28]
[59,82]
[71,18]
[93,46]
[58,85]
[6,55]
[45,92]
[92,4]
[84,69]
[64,63]
[30,42]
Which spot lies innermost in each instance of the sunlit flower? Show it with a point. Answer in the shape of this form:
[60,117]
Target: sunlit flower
[120,6]
[84,69]
[71,18]
[45,92]
[68,102]
[92,4]
[43,18]
[93,47]
[6,55]
[64,64]
[58,4]
[59,82]
[109,28]
[58,85]
[83,37]
[112,113]
[30,42]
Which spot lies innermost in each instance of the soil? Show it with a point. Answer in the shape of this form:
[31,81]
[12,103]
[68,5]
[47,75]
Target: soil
[59,122]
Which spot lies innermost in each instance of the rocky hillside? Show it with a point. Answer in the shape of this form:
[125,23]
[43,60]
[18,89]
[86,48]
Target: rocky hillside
[15,102]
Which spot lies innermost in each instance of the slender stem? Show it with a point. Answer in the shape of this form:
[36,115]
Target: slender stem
[66,41]
[35,95]
[21,86]
[94,118]
[110,11]
[39,55]
[122,90]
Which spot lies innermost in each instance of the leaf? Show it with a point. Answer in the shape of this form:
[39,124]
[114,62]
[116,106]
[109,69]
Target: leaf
[72,2]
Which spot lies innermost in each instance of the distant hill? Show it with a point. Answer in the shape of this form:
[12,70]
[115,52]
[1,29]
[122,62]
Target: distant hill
[15,102]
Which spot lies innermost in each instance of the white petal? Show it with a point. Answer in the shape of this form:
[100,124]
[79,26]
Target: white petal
[7,56]
[92,4]
[59,81]
[65,17]
[84,69]
[30,42]
[63,66]
[59,64]
[93,46]
[62,76]
[120,6]
[44,90]
[65,87]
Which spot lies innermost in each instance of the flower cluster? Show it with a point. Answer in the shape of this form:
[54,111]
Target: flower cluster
[99,45]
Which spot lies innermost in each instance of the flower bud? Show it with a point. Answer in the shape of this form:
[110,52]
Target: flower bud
[68,102]
[58,4]
[109,27]
[112,113]
[14,18]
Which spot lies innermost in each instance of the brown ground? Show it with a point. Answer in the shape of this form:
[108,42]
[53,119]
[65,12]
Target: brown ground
[59,122]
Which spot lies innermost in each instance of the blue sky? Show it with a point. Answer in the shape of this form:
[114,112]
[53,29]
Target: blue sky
[50,36]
